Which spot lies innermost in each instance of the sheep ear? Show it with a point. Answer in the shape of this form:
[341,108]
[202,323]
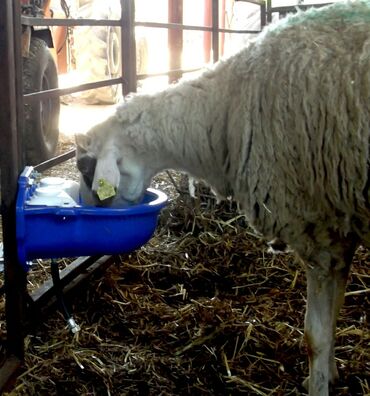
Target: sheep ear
[106,169]
[83,141]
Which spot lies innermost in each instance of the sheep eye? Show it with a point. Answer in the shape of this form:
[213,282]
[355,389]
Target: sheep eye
[88,181]
[86,164]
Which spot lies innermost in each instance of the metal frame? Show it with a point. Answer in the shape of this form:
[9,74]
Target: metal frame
[18,302]
[10,126]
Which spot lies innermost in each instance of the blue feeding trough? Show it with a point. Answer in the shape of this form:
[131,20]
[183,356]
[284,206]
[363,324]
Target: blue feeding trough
[73,230]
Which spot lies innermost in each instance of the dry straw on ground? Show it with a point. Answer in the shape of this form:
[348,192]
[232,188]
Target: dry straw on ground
[202,309]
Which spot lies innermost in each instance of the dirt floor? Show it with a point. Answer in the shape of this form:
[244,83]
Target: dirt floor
[202,309]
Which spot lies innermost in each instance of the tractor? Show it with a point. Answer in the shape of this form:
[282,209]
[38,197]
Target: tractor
[41,118]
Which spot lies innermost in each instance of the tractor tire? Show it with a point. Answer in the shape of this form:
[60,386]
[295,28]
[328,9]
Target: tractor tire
[41,118]
[142,54]
[97,52]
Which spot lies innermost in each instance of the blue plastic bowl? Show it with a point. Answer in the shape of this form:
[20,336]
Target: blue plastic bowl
[55,232]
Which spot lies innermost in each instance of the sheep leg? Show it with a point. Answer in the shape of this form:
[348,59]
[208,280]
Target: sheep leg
[325,297]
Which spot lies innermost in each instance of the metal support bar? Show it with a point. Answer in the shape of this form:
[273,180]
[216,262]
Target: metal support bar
[175,38]
[128,46]
[32,21]
[263,15]
[11,117]
[257,2]
[54,93]
[215,30]
[76,272]
[169,72]
[268,11]
[55,161]
[178,26]
[11,123]
[58,290]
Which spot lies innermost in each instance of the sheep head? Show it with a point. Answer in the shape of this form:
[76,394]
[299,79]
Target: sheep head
[112,172]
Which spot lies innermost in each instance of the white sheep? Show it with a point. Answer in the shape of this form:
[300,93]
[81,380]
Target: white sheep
[283,127]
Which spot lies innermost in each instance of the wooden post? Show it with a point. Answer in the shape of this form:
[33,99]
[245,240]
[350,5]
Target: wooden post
[128,46]
[175,38]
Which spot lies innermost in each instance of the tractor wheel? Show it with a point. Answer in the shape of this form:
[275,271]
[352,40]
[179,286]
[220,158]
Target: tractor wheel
[41,118]
[142,54]
[97,52]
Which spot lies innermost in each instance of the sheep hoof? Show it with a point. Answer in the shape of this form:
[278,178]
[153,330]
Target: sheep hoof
[332,382]
[277,246]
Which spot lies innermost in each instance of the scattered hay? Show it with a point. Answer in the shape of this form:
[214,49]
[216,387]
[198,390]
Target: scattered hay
[202,309]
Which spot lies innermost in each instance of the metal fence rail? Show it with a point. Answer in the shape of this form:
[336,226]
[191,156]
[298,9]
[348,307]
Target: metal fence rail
[127,24]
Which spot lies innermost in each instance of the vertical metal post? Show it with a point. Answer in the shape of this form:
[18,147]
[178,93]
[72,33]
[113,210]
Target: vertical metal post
[11,116]
[215,27]
[175,38]
[268,11]
[207,35]
[223,23]
[128,46]
[263,15]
